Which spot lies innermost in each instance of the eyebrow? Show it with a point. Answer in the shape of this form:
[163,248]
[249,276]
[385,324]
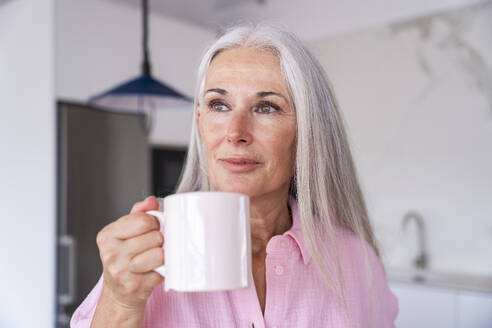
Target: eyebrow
[260,94]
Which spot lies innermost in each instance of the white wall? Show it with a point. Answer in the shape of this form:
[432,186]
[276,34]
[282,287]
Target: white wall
[313,20]
[98,45]
[27,164]
[417,96]
[321,18]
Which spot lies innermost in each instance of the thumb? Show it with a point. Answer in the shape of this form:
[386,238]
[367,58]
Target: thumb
[149,203]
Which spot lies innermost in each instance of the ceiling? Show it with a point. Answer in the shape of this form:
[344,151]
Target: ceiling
[310,19]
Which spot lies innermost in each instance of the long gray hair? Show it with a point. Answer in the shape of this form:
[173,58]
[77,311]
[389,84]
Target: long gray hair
[325,182]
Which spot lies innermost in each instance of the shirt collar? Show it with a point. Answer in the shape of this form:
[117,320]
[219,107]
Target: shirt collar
[296,231]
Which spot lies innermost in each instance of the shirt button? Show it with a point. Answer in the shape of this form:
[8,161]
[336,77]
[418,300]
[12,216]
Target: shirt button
[279,270]
[284,244]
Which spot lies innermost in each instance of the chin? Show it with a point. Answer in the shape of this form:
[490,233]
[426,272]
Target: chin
[238,187]
[239,190]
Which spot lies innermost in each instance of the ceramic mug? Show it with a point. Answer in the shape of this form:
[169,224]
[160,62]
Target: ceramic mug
[207,241]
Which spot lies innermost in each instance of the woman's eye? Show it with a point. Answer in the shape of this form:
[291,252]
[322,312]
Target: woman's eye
[218,107]
[266,108]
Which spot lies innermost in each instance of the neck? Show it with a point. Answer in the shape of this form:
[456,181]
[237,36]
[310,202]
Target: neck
[269,217]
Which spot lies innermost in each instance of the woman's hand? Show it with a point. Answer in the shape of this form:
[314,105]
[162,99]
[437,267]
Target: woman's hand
[130,248]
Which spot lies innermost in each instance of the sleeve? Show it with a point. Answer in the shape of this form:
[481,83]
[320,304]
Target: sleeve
[82,317]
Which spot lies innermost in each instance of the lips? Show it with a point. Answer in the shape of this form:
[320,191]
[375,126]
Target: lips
[240,161]
[239,164]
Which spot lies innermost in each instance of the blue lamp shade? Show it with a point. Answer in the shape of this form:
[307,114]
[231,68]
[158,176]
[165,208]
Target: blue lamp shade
[142,95]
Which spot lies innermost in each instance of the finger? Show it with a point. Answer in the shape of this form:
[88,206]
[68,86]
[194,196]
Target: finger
[147,261]
[140,244]
[149,203]
[133,225]
[152,279]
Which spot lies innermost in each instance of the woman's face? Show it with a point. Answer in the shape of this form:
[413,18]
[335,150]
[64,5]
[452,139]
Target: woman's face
[248,123]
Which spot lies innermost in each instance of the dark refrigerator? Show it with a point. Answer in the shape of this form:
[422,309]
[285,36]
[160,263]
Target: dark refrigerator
[104,166]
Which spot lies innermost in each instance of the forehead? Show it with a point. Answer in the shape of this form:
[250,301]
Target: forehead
[246,67]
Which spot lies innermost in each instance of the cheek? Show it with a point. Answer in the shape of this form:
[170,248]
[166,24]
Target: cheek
[210,133]
[281,146]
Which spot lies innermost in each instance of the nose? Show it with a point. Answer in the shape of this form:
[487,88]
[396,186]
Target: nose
[238,132]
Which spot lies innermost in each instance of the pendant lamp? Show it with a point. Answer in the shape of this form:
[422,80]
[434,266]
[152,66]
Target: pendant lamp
[142,94]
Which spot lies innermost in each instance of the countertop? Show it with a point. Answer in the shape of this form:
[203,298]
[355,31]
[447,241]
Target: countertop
[440,279]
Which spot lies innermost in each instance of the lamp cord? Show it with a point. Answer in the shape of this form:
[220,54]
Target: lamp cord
[145,38]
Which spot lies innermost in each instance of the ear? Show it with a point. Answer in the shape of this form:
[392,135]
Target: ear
[197,112]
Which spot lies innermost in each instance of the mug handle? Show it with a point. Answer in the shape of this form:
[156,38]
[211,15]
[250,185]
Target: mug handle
[160,216]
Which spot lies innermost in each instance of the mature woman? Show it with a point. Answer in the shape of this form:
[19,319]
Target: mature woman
[267,125]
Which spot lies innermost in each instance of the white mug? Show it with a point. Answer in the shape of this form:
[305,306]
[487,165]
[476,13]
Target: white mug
[207,241]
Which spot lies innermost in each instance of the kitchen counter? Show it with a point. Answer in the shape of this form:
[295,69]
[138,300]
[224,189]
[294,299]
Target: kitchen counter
[444,280]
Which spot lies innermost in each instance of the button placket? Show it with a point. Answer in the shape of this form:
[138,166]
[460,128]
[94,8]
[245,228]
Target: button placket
[277,274]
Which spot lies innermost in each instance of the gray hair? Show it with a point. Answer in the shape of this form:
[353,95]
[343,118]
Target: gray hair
[325,182]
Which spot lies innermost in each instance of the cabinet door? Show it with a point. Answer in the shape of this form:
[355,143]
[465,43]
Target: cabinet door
[475,310]
[424,306]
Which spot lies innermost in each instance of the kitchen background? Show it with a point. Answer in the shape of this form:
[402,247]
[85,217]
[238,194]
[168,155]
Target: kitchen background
[414,81]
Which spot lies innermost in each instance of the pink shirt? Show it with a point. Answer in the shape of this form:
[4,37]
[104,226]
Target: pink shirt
[295,297]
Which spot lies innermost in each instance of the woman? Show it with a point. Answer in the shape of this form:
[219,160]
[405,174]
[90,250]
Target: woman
[266,125]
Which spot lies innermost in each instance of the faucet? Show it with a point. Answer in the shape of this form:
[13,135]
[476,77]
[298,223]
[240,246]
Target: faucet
[421,260]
